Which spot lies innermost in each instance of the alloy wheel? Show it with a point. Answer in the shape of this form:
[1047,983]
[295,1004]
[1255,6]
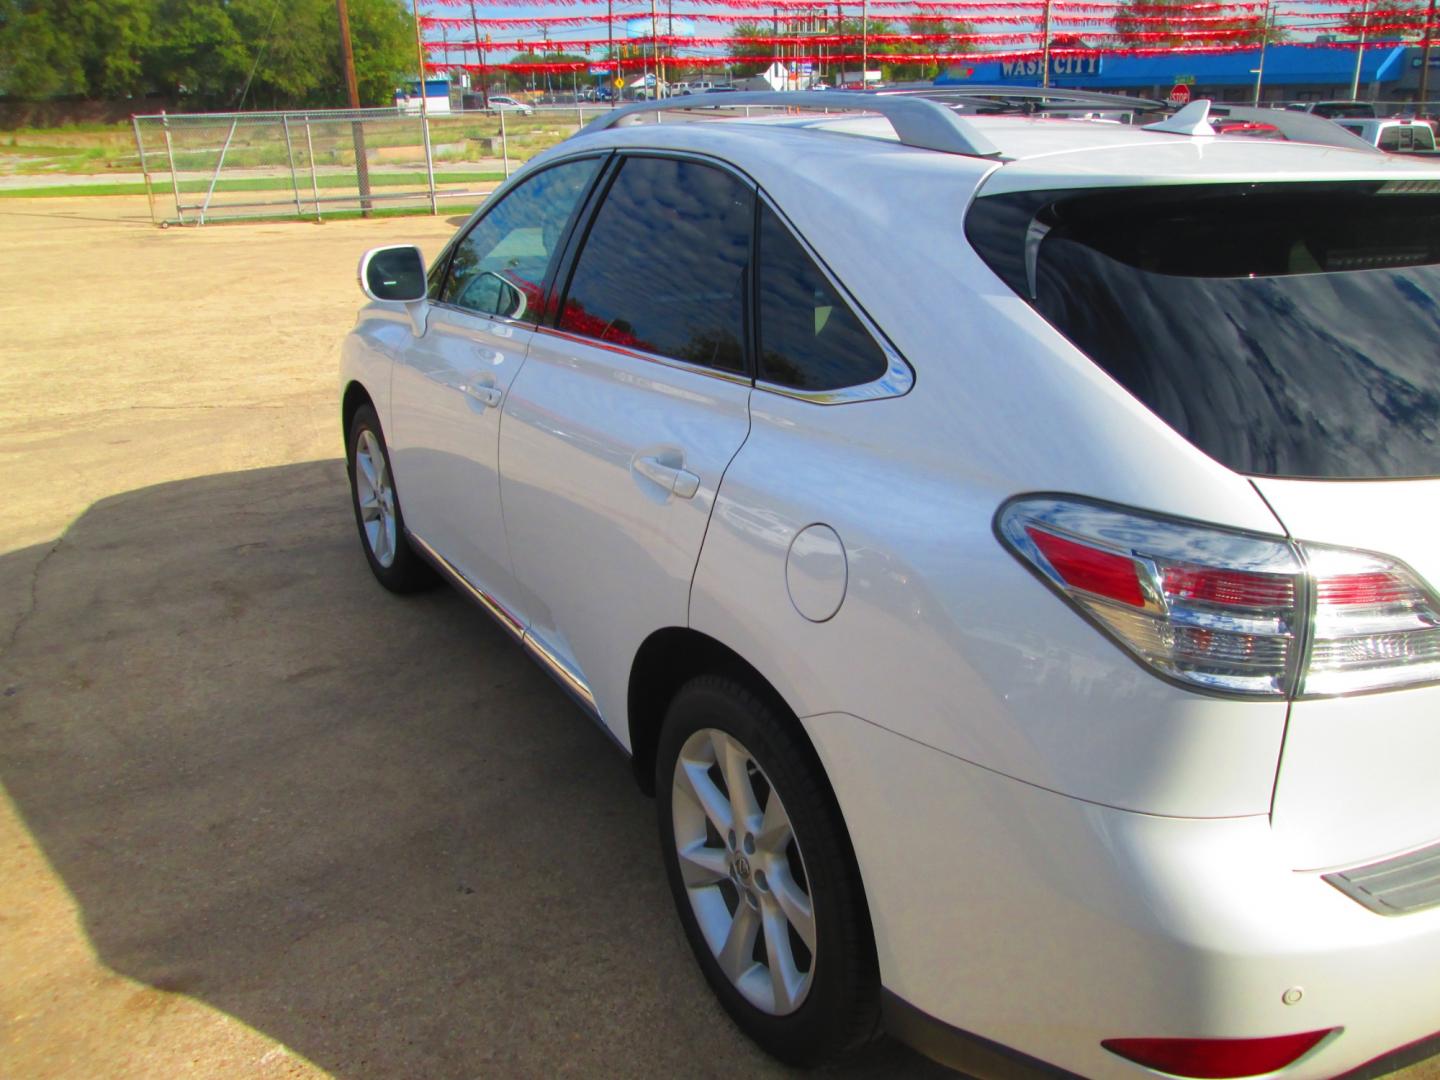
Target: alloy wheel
[375,495]
[743,872]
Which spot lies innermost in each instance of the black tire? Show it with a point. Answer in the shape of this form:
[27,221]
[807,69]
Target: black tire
[407,572]
[841,1011]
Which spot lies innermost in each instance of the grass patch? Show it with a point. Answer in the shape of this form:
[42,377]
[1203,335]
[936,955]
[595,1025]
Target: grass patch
[259,183]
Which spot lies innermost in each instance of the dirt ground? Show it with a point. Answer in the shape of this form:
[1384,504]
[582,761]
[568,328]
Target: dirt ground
[259,818]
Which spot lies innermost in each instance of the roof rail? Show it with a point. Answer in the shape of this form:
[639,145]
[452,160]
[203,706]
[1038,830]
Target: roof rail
[917,121]
[1194,119]
[1032,98]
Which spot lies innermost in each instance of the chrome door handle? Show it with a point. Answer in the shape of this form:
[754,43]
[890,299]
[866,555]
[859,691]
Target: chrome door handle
[672,478]
[486,395]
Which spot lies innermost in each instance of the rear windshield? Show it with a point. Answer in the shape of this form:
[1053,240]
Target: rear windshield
[1284,329]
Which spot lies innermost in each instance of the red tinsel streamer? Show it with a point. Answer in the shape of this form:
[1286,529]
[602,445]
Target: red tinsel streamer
[438,22]
[972,6]
[632,63]
[671,42]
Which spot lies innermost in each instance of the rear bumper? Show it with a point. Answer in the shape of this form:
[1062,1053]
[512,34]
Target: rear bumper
[1046,924]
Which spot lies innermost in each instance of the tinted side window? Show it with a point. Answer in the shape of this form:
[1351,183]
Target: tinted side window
[499,267]
[1390,139]
[663,268]
[809,338]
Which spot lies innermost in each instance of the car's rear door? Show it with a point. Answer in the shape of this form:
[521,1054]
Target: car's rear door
[632,404]
[447,387]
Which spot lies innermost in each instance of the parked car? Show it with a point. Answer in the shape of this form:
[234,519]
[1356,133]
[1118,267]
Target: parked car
[502,103]
[1414,137]
[1020,596]
[1339,110]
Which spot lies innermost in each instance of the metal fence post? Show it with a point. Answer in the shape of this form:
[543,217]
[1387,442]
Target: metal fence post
[314,180]
[290,157]
[429,155]
[504,145]
[144,168]
[170,154]
[219,165]
[362,165]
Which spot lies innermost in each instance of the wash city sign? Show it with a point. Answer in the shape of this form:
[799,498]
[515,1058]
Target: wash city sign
[1060,67]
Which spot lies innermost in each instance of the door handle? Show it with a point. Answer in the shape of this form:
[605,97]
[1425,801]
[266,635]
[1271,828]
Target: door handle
[672,478]
[486,395]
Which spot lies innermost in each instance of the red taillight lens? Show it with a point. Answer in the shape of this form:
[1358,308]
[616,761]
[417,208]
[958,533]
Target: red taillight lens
[1208,607]
[1229,611]
[1089,568]
[1217,1057]
[1232,588]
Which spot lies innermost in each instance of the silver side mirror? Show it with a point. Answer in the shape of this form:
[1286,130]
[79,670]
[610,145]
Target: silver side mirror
[393,273]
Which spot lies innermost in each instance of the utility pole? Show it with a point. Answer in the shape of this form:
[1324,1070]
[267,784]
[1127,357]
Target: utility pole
[655,48]
[1045,48]
[1265,41]
[614,60]
[864,44]
[1425,61]
[1360,52]
[352,90]
[424,106]
[480,52]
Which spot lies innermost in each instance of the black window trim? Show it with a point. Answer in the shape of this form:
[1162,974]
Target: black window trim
[899,377]
[578,214]
[581,235]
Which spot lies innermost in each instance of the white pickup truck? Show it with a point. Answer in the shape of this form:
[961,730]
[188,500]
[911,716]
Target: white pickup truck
[1394,136]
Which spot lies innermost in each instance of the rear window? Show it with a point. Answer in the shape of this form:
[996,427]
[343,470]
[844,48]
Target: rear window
[1284,329]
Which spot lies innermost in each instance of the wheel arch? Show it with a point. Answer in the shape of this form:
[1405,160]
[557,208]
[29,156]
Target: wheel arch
[354,397]
[666,661]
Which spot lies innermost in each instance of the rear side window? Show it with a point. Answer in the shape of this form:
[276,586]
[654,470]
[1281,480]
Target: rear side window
[1284,329]
[809,337]
[499,267]
[1390,138]
[664,267]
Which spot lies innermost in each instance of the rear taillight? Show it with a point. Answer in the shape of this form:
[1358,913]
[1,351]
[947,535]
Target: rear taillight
[1213,1058]
[1233,612]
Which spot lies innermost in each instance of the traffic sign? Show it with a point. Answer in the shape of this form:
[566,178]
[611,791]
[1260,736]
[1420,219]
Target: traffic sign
[1179,94]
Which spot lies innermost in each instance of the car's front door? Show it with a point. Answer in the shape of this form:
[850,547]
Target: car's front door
[618,431]
[447,390]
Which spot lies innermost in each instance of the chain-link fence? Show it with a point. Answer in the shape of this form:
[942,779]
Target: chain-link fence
[201,167]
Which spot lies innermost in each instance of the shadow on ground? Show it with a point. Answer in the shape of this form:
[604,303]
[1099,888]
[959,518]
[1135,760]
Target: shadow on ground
[365,826]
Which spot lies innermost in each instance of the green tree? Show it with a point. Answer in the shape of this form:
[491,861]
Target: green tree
[91,48]
[742,44]
[1133,20]
[531,80]
[899,71]
[213,53]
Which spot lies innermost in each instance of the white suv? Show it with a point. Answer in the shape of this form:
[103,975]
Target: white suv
[1007,547]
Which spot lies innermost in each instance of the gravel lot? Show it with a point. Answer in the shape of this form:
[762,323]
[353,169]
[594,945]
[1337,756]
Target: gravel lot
[260,818]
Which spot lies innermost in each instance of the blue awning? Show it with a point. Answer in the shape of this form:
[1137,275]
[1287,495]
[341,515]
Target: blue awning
[1285,65]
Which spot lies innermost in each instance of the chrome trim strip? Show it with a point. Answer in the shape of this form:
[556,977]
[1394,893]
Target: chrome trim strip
[739,378]
[496,610]
[899,377]
[1399,885]
[501,320]
[560,670]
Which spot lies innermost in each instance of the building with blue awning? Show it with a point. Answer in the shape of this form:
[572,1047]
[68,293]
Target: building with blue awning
[1292,73]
